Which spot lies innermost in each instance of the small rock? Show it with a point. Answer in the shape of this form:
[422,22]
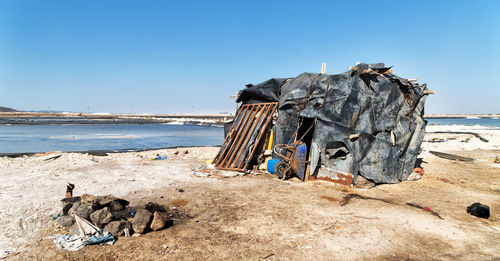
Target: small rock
[141,220]
[101,217]
[186,152]
[159,220]
[84,211]
[115,206]
[87,198]
[122,214]
[118,228]
[73,208]
[66,208]
[180,190]
[105,200]
[414,176]
[65,221]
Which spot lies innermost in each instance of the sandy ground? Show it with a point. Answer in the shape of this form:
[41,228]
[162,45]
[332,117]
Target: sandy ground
[261,217]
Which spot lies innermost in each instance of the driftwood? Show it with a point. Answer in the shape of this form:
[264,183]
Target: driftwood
[462,132]
[450,156]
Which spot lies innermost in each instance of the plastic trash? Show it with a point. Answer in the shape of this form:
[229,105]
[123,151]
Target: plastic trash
[158,157]
[479,210]
[270,165]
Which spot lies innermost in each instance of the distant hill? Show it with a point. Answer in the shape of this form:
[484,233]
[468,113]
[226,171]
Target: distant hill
[5,109]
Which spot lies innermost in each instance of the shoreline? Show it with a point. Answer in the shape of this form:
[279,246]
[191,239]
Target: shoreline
[36,118]
[99,152]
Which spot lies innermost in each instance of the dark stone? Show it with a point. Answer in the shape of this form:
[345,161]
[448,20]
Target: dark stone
[84,211]
[153,207]
[115,206]
[117,228]
[141,220]
[70,200]
[65,221]
[66,208]
[181,190]
[101,217]
[105,200]
[122,214]
[73,208]
[479,210]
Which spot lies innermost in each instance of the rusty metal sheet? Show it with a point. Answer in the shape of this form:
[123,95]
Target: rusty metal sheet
[339,172]
[245,134]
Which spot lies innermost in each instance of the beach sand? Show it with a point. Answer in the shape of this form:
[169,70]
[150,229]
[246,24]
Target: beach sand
[258,216]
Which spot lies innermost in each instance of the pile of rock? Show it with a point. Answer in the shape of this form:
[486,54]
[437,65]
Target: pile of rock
[115,215]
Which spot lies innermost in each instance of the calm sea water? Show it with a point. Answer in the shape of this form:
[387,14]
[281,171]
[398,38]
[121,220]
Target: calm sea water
[83,137]
[466,121]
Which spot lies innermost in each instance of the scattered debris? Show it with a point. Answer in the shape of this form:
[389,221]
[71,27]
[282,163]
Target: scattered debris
[53,157]
[450,156]
[158,157]
[479,210]
[331,199]
[497,160]
[419,171]
[87,234]
[424,208]
[348,198]
[364,183]
[208,170]
[268,256]
[437,140]
[6,254]
[69,190]
[462,132]
[414,176]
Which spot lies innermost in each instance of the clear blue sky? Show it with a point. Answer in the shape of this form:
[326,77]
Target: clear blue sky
[190,56]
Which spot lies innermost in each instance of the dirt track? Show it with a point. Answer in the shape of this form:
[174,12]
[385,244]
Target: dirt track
[258,216]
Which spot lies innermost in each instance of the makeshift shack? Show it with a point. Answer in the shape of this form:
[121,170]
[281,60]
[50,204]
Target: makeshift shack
[366,121]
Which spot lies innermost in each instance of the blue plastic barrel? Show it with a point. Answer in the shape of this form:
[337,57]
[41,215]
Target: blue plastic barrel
[270,165]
